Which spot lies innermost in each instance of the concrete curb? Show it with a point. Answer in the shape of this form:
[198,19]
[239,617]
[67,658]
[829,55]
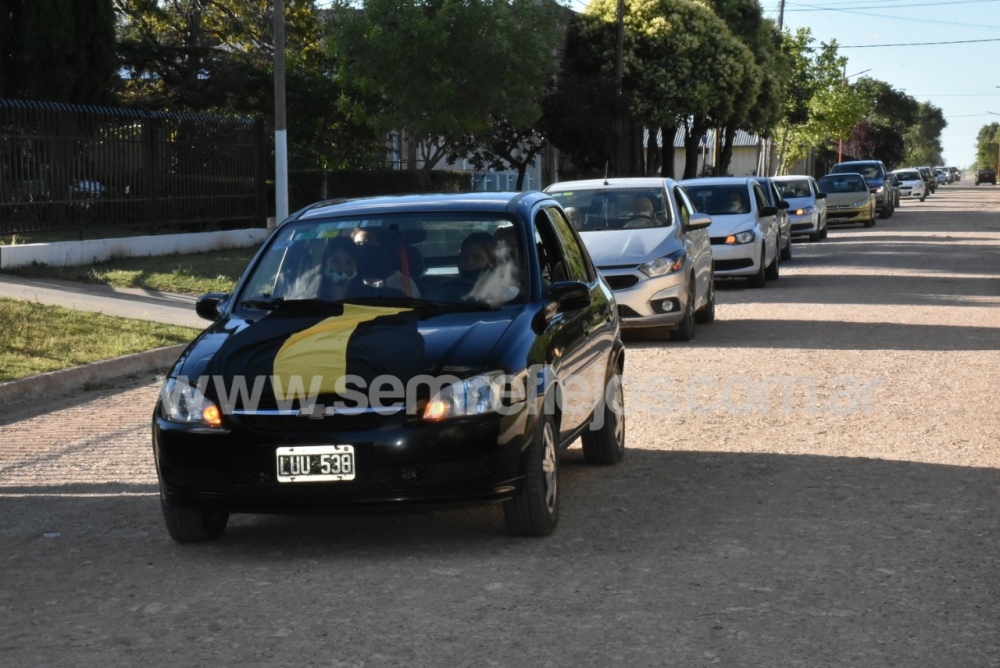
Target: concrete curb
[69,380]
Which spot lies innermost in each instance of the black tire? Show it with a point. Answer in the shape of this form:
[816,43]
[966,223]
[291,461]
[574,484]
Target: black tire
[759,279]
[884,212]
[773,270]
[871,221]
[815,236]
[786,252]
[606,446]
[684,331]
[824,232]
[706,314]
[922,198]
[534,509]
[191,525]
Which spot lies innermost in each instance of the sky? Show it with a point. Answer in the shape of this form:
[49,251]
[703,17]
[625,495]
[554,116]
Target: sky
[961,79]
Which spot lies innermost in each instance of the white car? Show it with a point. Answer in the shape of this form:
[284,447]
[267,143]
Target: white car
[911,184]
[807,205]
[744,229]
[651,247]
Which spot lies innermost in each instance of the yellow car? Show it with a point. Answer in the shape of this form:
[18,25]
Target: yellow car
[848,199]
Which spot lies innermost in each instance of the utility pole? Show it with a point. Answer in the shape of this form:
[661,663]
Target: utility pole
[280,123]
[619,48]
[781,15]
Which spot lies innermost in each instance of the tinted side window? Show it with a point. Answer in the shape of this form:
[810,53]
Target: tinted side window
[577,267]
[684,207]
[759,196]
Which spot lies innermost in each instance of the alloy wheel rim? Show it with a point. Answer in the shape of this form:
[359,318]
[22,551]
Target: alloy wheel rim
[619,414]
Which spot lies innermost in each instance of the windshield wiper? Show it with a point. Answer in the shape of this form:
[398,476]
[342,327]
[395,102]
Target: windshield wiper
[418,302]
[282,303]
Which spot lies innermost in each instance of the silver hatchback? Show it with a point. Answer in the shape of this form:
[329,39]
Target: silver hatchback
[650,245]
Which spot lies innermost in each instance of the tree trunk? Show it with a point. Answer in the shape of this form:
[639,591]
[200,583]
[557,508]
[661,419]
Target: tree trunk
[726,156]
[692,138]
[667,152]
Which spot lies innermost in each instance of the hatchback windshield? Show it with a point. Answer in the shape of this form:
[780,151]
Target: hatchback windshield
[867,171]
[719,199]
[908,176]
[843,183]
[792,189]
[440,258]
[614,209]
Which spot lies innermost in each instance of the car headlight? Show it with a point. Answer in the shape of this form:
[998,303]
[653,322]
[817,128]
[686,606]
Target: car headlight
[479,395]
[805,211]
[745,237]
[861,202]
[667,264]
[185,403]
[878,190]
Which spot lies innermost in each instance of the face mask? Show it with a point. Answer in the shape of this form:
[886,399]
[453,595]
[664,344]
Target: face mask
[339,276]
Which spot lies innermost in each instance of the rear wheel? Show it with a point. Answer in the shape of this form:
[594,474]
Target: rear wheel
[191,525]
[534,509]
[786,252]
[606,446]
[774,269]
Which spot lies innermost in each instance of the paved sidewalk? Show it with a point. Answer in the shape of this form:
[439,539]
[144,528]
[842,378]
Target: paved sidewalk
[138,304]
[134,303]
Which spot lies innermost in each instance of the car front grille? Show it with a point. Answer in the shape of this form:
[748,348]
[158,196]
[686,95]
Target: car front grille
[622,281]
[728,265]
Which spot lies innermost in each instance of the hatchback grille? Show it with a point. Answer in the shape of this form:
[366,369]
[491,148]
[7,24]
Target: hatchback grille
[727,265]
[622,281]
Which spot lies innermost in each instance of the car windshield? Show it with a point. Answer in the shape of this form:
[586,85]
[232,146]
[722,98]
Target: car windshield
[908,176]
[719,199]
[843,183]
[867,171]
[597,210]
[444,259]
[796,188]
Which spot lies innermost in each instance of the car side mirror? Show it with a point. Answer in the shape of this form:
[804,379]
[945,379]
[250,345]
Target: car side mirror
[570,295]
[768,210]
[783,205]
[820,195]
[207,306]
[698,221]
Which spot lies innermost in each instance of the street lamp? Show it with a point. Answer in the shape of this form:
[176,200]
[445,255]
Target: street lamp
[843,82]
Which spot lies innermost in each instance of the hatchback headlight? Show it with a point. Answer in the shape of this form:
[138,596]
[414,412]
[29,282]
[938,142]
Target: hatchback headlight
[805,211]
[668,264]
[861,202]
[479,395]
[878,190]
[185,403]
[745,237]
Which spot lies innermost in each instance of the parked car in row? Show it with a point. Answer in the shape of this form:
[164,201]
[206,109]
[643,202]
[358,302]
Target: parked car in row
[849,199]
[784,220]
[911,184]
[744,229]
[930,179]
[651,246]
[879,182]
[424,371]
[807,213]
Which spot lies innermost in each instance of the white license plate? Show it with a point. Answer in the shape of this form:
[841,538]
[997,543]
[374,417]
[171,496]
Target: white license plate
[315,463]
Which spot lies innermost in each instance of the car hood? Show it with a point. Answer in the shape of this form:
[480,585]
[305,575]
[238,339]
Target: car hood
[724,224]
[609,248]
[911,182]
[365,342]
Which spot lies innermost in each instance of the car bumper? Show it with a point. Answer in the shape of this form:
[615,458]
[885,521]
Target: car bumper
[648,302]
[736,260]
[804,224]
[848,215]
[909,193]
[404,462]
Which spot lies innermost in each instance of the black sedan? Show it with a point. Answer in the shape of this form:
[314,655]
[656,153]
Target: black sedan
[416,351]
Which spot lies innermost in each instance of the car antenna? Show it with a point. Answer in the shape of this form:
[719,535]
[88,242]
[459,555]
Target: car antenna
[606,163]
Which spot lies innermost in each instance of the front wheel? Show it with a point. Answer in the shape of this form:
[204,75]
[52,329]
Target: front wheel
[786,252]
[759,279]
[606,446]
[707,312]
[534,509]
[191,525]
[685,328]
[774,269]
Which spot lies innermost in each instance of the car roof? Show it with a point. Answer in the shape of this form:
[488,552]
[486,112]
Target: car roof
[791,177]
[719,180]
[496,202]
[612,183]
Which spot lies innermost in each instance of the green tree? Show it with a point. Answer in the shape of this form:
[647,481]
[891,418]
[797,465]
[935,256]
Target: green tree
[923,139]
[57,50]
[987,146]
[446,70]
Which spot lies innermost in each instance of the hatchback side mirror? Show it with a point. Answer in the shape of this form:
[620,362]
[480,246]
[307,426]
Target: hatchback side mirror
[570,295]
[783,205]
[820,195]
[768,210]
[698,221]
[207,306]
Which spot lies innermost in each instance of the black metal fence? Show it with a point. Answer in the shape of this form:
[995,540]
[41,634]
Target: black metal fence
[68,167]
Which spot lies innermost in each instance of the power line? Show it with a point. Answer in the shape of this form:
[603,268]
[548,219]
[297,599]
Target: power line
[874,46]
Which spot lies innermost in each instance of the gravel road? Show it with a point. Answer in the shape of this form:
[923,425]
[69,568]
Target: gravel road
[813,481]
